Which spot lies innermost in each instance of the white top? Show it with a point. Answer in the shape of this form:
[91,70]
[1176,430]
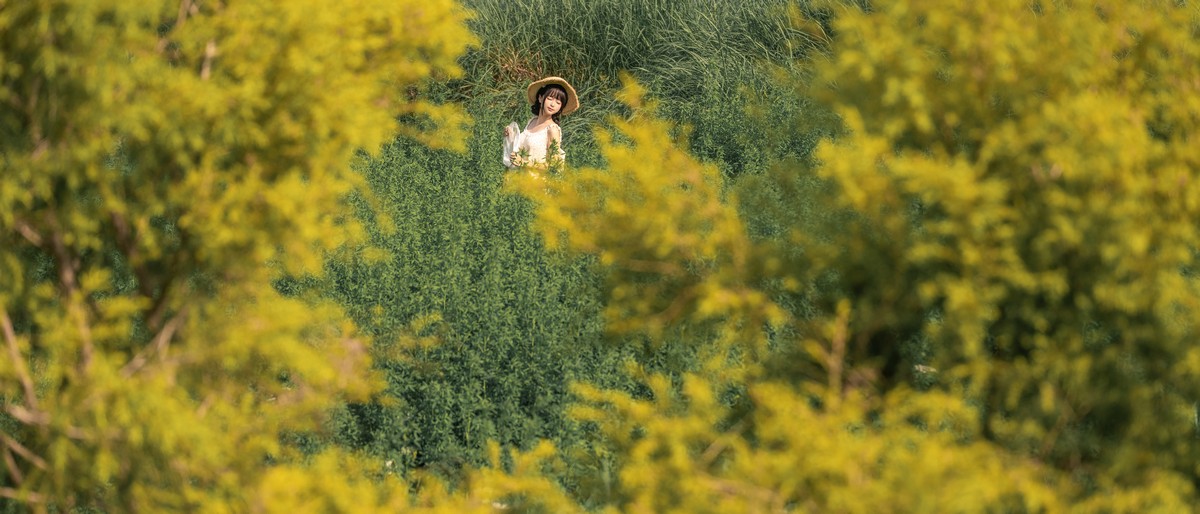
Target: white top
[534,143]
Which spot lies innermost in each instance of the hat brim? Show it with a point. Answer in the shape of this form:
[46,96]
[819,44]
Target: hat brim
[572,97]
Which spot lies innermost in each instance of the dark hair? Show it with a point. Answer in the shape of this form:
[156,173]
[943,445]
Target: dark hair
[552,91]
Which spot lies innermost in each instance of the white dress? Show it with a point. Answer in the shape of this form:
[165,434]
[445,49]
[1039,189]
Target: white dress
[535,144]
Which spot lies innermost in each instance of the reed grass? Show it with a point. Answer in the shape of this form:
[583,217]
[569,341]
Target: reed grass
[593,40]
[705,61]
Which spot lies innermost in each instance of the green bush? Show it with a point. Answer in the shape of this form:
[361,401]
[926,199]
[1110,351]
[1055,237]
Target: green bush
[516,324]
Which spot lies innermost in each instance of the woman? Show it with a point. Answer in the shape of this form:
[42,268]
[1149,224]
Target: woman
[540,143]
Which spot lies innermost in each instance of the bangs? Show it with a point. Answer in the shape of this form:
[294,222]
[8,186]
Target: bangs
[556,92]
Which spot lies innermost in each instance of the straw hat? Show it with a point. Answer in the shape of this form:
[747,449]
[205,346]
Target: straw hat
[572,98]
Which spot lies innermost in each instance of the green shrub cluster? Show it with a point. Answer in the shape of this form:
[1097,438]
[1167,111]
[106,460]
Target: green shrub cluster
[515,324]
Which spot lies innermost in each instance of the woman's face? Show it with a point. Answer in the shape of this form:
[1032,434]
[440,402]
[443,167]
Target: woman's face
[551,105]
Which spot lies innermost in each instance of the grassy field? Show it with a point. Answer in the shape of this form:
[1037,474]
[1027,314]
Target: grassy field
[707,62]
[519,323]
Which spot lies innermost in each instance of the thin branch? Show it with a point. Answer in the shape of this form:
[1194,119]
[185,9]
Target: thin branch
[208,402]
[710,454]
[14,353]
[743,490]
[11,464]
[13,494]
[27,416]
[210,51]
[125,237]
[185,6]
[159,309]
[164,337]
[35,125]
[29,233]
[42,419]
[24,452]
[85,332]
[40,148]
[159,346]
[837,352]
[67,266]
[126,241]
[675,309]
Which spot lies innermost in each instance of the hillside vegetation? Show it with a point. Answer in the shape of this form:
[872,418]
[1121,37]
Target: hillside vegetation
[835,256]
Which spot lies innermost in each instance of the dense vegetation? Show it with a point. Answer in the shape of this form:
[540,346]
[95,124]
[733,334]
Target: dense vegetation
[518,323]
[907,257]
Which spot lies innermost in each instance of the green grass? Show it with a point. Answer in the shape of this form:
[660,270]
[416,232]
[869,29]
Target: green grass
[707,62]
[592,40]
[519,322]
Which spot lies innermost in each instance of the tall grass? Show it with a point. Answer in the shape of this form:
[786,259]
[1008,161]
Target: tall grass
[706,61]
[591,40]
[519,324]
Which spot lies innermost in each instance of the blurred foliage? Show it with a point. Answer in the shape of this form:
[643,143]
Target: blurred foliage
[807,452]
[976,294]
[162,163]
[1032,187]
[734,438]
[998,273]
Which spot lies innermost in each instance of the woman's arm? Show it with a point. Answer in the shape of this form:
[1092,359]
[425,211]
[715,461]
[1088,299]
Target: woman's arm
[555,134]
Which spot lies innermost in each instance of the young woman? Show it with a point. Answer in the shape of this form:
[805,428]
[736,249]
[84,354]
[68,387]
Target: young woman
[539,144]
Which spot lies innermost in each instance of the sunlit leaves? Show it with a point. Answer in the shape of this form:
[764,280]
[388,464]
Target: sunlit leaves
[1032,170]
[1017,193]
[162,163]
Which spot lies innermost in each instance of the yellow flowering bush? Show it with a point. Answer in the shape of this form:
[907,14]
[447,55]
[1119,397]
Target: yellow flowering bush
[1033,188]
[161,163]
[1001,295]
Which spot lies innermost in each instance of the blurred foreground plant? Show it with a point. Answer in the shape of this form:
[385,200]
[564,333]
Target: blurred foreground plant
[1010,227]
[162,163]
